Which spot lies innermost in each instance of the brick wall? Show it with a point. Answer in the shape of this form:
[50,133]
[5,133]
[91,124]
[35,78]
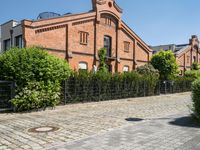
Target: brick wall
[61,36]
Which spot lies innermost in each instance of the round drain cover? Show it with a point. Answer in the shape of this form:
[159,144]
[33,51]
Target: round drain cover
[43,129]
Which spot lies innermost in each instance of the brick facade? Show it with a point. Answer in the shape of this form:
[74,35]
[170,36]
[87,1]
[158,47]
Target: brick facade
[189,55]
[62,37]
[186,54]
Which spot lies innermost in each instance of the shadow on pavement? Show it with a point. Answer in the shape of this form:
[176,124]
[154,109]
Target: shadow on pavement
[187,121]
[134,119]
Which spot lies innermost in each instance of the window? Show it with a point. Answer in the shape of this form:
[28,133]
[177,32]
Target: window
[126,69]
[126,46]
[84,37]
[83,66]
[7,44]
[18,41]
[107,45]
[194,58]
[108,21]
[109,67]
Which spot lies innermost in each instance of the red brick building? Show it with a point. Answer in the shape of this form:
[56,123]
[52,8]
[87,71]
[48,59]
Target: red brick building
[78,37]
[186,54]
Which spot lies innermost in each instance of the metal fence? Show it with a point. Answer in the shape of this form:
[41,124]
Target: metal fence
[84,91]
[7,92]
[170,87]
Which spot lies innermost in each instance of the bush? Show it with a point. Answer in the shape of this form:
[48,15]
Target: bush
[33,65]
[194,74]
[195,66]
[37,95]
[196,97]
[165,62]
[148,69]
[150,75]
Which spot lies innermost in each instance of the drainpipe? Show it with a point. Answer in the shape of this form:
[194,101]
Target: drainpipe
[11,38]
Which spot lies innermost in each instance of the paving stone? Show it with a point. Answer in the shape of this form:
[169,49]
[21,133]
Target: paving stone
[104,123]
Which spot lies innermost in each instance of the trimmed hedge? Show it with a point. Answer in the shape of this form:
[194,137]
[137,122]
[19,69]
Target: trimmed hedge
[196,97]
[192,74]
[84,86]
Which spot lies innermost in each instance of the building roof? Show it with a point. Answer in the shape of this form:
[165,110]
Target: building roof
[177,49]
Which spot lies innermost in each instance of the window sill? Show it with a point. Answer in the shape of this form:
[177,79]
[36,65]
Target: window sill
[84,44]
[126,51]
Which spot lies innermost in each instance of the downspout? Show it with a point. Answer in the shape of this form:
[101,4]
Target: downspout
[66,44]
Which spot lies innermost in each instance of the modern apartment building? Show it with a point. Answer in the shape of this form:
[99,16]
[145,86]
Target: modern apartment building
[11,35]
[78,37]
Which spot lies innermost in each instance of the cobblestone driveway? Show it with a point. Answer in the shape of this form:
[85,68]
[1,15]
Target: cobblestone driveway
[102,125]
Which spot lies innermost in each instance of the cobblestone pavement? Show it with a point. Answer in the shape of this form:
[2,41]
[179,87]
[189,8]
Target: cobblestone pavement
[173,133]
[102,125]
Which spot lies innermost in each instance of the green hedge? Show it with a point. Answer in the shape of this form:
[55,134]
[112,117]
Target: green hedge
[192,74]
[84,86]
[196,97]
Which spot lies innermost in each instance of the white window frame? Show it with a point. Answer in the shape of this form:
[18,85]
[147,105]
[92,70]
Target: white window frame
[126,68]
[83,65]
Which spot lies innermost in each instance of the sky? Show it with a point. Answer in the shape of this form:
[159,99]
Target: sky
[157,22]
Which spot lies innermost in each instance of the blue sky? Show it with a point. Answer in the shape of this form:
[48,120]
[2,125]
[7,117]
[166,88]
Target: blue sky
[155,21]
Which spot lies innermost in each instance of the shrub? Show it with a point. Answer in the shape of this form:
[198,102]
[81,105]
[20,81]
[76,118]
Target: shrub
[165,62]
[148,69]
[194,74]
[33,65]
[150,76]
[196,97]
[195,66]
[37,95]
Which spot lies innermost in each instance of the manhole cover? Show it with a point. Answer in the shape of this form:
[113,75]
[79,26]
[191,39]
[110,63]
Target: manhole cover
[134,119]
[43,129]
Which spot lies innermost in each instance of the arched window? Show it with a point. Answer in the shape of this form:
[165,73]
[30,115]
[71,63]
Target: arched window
[83,66]
[126,68]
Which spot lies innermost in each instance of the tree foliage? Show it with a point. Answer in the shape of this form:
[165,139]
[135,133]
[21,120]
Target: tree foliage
[165,62]
[195,66]
[35,72]
[148,69]
[192,74]
[103,67]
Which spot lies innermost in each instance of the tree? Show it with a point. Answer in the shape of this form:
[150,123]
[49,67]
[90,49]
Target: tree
[165,62]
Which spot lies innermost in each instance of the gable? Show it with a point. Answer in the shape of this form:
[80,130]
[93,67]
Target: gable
[107,6]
